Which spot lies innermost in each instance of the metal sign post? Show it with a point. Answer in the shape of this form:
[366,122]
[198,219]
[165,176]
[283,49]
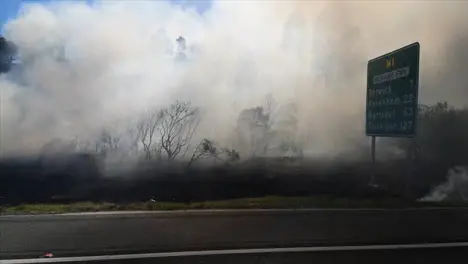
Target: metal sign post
[372,180]
[392,96]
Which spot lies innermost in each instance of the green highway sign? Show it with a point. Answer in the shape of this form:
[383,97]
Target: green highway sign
[392,93]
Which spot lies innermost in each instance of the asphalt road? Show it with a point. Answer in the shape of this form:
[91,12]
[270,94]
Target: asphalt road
[97,234]
[422,253]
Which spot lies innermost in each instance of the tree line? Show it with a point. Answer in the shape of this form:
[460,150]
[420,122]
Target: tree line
[166,133]
[440,144]
[7,53]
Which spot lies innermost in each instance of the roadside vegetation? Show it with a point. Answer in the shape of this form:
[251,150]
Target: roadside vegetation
[178,172]
[268,202]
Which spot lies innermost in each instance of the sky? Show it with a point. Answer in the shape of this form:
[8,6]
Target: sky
[10,8]
[86,69]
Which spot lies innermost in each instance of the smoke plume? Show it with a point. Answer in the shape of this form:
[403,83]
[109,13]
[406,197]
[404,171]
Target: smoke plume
[86,67]
[454,189]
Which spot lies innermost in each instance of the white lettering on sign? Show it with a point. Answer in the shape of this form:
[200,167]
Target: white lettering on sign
[390,126]
[385,102]
[408,98]
[406,125]
[408,112]
[381,115]
[392,75]
[380,91]
[382,126]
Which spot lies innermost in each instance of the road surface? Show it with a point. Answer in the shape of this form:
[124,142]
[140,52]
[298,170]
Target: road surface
[382,254]
[125,233]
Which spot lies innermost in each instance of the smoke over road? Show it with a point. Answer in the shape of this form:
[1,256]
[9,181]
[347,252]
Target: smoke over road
[89,67]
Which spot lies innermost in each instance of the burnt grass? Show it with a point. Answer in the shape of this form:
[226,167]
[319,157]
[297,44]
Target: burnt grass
[81,178]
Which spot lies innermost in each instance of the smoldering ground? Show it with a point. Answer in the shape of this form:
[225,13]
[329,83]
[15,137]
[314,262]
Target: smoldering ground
[92,67]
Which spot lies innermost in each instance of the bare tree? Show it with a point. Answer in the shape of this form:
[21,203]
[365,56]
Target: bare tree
[271,111]
[206,148]
[146,128]
[133,136]
[81,145]
[232,155]
[178,124]
[107,143]
[270,104]
[111,140]
[253,130]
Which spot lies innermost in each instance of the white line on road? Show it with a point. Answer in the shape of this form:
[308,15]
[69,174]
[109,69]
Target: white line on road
[228,211]
[233,252]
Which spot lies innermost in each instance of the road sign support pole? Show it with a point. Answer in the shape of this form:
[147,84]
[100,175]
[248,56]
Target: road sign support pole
[373,168]
[410,168]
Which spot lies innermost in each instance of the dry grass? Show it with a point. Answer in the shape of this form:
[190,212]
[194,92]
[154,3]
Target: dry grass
[268,202]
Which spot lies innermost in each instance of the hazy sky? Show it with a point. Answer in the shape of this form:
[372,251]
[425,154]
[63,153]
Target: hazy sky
[310,53]
[9,8]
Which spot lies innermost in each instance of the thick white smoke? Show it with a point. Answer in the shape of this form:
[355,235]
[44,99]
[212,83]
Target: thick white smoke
[454,189]
[87,67]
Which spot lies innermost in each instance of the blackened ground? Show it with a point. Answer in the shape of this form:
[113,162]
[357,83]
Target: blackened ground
[80,177]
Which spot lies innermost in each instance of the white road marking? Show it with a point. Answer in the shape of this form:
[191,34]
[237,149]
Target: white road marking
[233,252]
[174,212]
